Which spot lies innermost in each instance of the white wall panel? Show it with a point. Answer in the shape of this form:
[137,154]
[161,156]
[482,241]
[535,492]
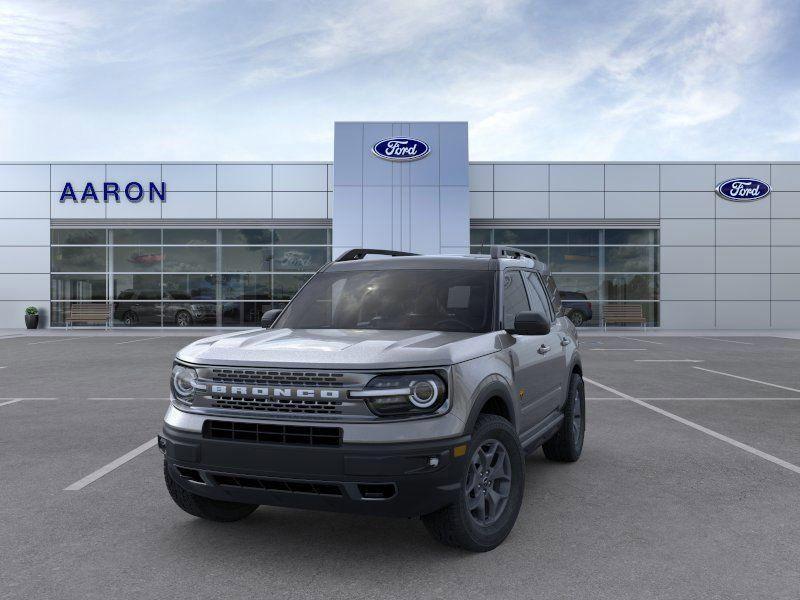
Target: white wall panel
[376,170]
[631,178]
[687,205]
[22,286]
[743,286]
[454,202]
[758,209]
[785,259]
[743,232]
[190,205]
[687,232]
[300,178]
[687,178]
[785,232]
[687,286]
[480,178]
[520,178]
[520,205]
[687,315]
[348,165]
[12,312]
[631,205]
[743,315]
[786,178]
[244,205]
[25,178]
[378,215]
[786,286]
[785,205]
[576,205]
[742,259]
[136,210]
[576,178]
[32,259]
[244,178]
[426,171]
[76,210]
[125,173]
[24,205]
[299,205]
[786,315]
[738,171]
[24,232]
[481,205]
[78,175]
[330,177]
[347,211]
[453,158]
[687,259]
[424,231]
[189,178]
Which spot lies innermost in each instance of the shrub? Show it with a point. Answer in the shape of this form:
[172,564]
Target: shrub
[31,310]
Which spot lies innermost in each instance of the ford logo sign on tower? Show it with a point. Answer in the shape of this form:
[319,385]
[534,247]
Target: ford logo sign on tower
[743,189]
[401,149]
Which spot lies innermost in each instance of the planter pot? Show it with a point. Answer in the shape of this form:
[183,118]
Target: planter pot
[31,321]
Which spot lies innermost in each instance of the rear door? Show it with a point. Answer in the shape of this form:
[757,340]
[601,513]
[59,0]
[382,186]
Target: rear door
[555,358]
[528,358]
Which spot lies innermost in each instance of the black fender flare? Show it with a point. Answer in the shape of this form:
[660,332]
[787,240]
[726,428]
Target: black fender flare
[493,387]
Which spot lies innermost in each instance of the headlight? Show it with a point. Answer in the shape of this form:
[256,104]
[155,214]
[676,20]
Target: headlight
[408,394]
[183,383]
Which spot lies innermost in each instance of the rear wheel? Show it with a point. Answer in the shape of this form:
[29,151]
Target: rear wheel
[183,319]
[206,508]
[129,318]
[491,490]
[567,444]
[577,318]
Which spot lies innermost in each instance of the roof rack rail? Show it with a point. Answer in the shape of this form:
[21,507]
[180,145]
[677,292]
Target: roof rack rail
[510,252]
[360,253]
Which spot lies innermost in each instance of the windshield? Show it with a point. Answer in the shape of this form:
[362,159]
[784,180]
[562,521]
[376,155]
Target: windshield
[436,300]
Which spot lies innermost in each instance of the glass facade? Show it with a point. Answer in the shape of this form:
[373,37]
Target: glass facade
[592,267]
[181,277]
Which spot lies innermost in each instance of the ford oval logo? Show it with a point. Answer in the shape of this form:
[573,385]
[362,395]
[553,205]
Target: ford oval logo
[743,189]
[401,149]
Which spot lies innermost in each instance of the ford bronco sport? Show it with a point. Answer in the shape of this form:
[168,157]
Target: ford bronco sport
[403,385]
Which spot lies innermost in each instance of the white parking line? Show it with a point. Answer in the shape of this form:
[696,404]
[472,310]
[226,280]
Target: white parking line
[14,400]
[723,340]
[92,477]
[81,337]
[11,402]
[162,399]
[141,340]
[775,385]
[617,349]
[638,340]
[680,360]
[723,438]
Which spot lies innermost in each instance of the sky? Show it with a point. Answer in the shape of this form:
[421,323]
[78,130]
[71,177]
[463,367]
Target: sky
[566,80]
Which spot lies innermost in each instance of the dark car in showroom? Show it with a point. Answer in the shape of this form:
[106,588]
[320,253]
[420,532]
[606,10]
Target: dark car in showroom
[577,307]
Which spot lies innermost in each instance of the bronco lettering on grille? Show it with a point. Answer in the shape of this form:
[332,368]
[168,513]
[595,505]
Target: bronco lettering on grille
[273,392]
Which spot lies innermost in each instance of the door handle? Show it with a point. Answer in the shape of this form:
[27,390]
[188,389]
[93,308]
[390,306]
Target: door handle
[543,349]
[565,341]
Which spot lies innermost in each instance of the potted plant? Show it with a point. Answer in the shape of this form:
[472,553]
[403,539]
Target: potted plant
[31,317]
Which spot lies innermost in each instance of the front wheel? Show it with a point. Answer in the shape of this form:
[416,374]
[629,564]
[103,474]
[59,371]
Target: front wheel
[567,444]
[491,490]
[183,319]
[577,318]
[206,508]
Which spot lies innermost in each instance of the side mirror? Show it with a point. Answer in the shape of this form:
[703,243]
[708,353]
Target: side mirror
[531,323]
[269,317]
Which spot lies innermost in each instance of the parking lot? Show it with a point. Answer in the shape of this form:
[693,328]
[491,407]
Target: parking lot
[689,487]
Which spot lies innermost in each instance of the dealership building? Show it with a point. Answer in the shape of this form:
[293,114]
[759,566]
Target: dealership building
[217,244]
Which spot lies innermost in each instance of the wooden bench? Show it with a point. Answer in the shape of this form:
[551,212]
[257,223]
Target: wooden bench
[623,314]
[89,313]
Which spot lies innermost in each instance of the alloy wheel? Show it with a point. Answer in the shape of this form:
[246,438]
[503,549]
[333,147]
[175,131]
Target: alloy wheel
[488,483]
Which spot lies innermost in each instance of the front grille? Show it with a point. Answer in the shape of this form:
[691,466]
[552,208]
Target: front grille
[281,405]
[279,485]
[269,377]
[268,433]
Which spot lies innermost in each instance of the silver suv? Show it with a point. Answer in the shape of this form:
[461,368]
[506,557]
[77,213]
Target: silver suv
[392,384]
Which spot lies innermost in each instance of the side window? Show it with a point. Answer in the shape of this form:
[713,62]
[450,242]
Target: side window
[555,298]
[539,302]
[515,298]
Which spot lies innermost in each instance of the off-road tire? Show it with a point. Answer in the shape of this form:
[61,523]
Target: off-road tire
[567,444]
[454,525]
[206,508]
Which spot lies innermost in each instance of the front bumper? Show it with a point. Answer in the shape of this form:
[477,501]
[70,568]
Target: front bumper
[400,479]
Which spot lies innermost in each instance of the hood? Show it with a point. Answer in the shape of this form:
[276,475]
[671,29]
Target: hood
[340,348]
